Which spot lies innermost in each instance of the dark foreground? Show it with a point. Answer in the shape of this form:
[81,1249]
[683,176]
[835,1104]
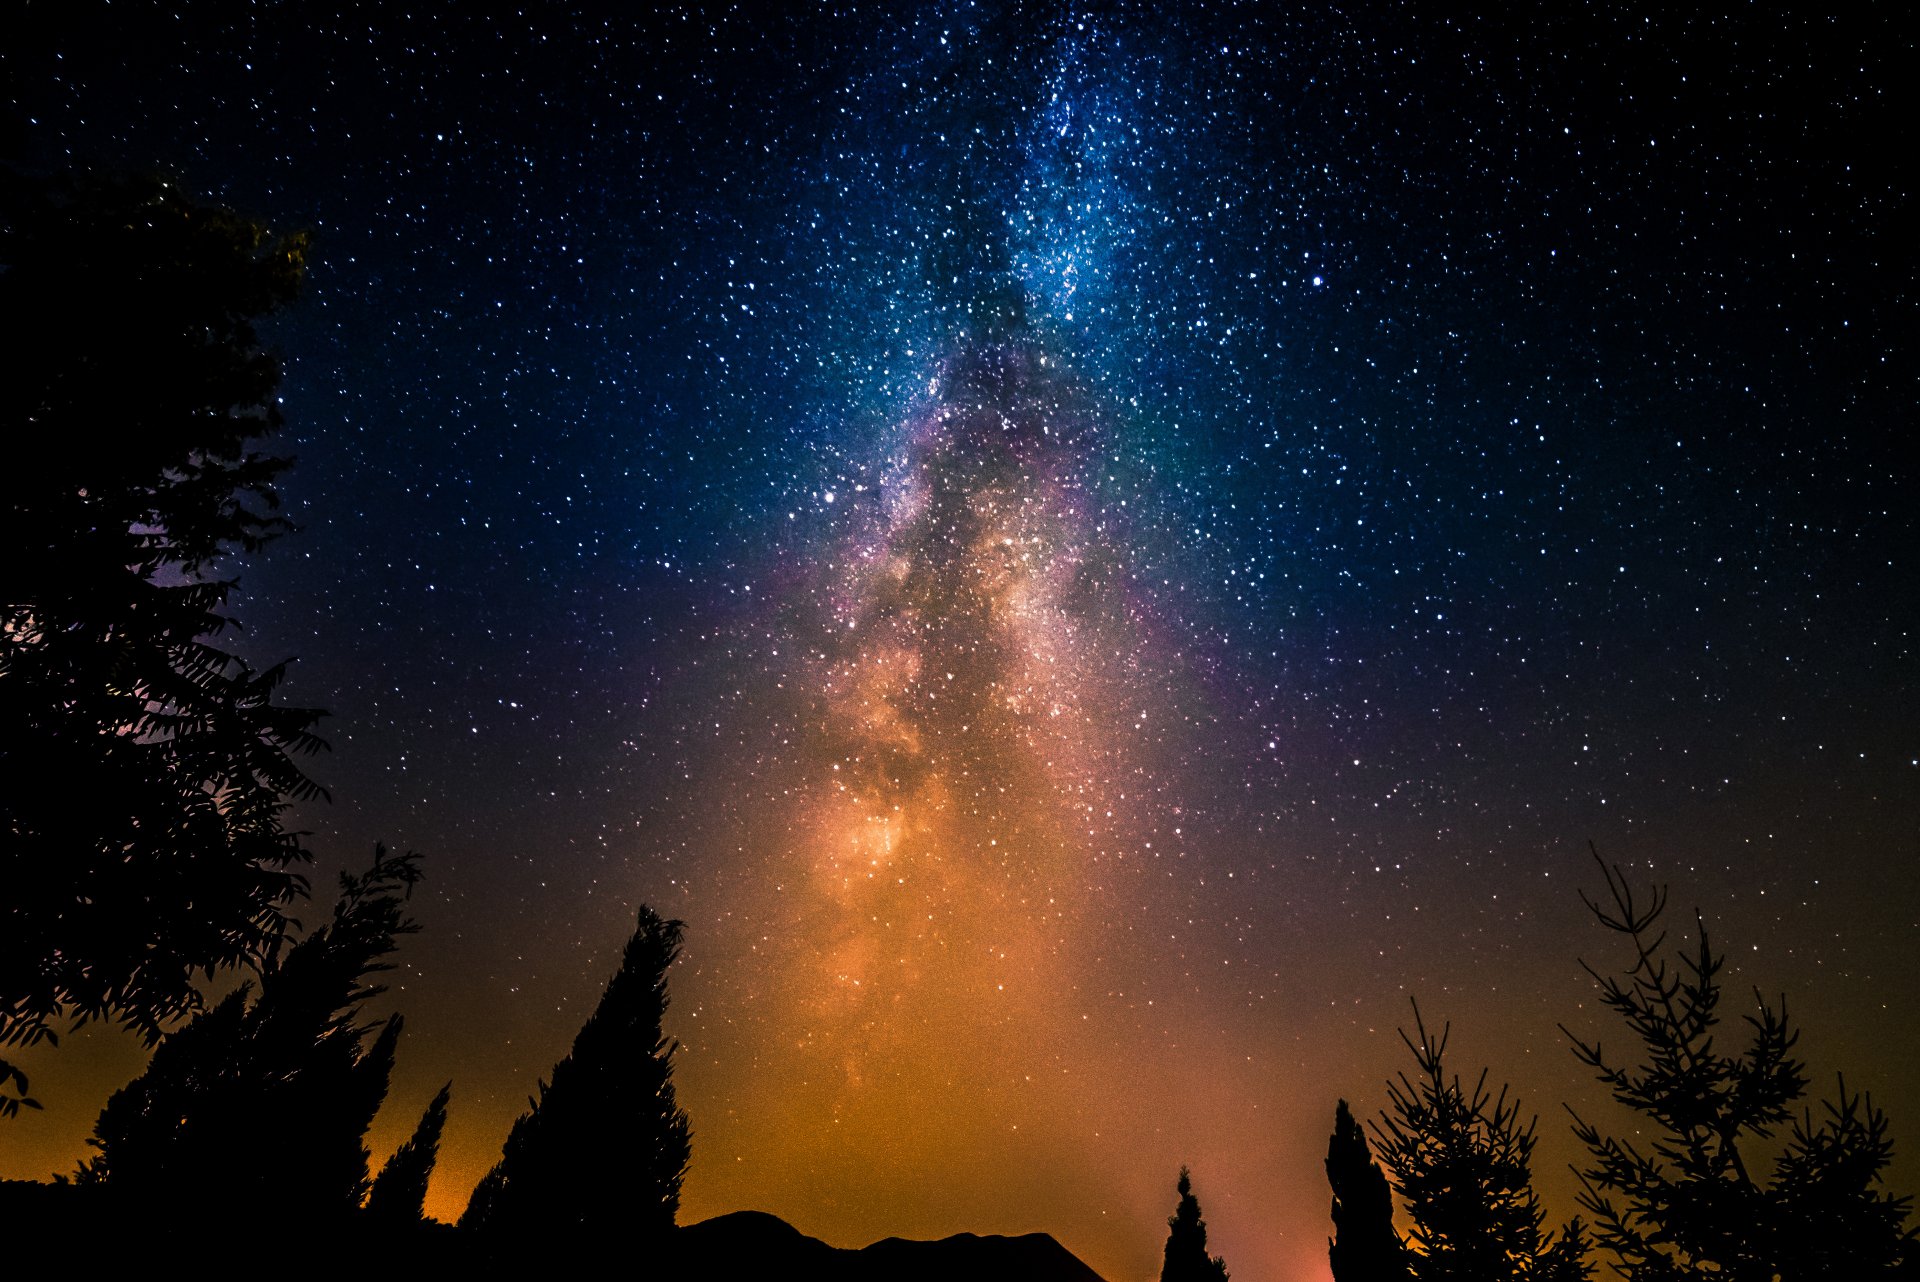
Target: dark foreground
[93,1230]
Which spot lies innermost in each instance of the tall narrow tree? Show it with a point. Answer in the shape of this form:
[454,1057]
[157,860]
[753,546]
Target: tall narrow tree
[399,1193]
[601,1150]
[1186,1255]
[1364,1247]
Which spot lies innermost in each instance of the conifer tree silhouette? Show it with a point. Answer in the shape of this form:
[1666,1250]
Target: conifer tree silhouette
[1186,1255]
[1462,1162]
[1696,1202]
[293,1063]
[1364,1247]
[399,1192]
[601,1150]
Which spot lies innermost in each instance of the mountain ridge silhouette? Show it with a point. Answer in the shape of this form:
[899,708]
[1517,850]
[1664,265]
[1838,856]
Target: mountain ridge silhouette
[745,1244]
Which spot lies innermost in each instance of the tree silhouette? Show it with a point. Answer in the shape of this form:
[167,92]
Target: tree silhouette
[1462,1162]
[1694,1203]
[399,1192]
[144,770]
[602,1150]
[1364,1247]
[1187,1259]
[293,1068]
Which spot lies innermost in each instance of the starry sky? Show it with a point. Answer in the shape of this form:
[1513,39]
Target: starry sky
[1089,554]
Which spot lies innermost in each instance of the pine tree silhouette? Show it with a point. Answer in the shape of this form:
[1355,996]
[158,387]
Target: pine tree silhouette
[154,1133]
[1364,1247]
[399,1193]
[288,1077]
[602,1150]
[1462,1161]
[1186,1258]
[1699,1204]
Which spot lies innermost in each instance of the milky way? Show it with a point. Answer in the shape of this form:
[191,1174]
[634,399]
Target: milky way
[939,842]
[1087,555]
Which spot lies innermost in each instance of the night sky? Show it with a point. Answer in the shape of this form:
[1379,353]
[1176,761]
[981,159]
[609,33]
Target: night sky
[1088,556]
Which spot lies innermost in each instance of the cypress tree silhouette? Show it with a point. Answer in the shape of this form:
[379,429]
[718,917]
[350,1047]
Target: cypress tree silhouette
[1696,1206]
[294,1065]
[1364,1247]
[1186,1257]
[337,1113]
[602,1150]
[144,771]
[399,1193]
[150,1134]
[1462,1162]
